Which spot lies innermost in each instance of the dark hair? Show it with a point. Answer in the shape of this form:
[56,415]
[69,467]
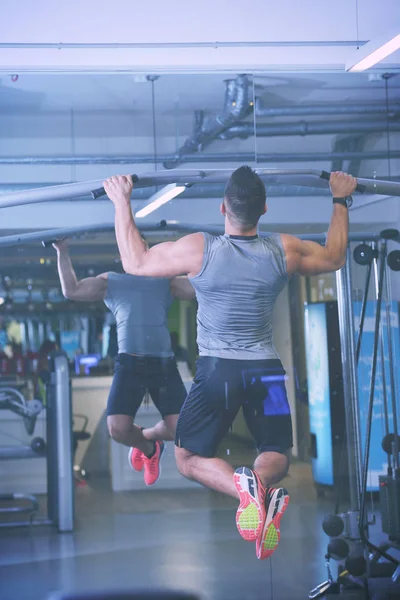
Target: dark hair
[245,197]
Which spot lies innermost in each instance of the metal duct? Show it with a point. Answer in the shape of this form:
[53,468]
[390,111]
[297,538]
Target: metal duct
[323,109]
[236,107]
[232,157]
[245,130]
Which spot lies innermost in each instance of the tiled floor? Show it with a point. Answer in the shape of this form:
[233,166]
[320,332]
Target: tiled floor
[182,540]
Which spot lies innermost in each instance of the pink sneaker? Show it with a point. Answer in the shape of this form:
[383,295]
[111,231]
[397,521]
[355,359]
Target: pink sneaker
[277,501]
[250,515]
[136,459]
[152,468]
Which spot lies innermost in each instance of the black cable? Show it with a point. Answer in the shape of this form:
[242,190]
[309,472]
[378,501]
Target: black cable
[363,535]
[153,110]
[386,76]
[363,311]
[343,453]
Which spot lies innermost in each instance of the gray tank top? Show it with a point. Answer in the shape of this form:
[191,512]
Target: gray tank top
[236,290]
[140,307]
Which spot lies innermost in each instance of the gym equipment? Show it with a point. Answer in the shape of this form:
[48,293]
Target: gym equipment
[46,238]
[12,399]
[299,177]
[377,577]
[393,260]
[333,525]
[58,450]
[338,549]
[263,173]
[363,254]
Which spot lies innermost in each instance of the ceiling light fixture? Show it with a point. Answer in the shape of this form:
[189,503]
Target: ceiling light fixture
[374,51]
[161,197]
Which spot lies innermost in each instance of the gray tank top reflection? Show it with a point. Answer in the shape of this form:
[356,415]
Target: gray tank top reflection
[140,307]
[236,290]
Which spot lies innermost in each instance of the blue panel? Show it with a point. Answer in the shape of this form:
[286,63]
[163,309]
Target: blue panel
[318,391]
[70,342]
[377,458]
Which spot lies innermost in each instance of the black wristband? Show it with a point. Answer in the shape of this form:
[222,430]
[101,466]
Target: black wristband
[347,202]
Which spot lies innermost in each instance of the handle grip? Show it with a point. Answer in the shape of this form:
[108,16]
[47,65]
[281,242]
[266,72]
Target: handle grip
[326,175]
[101,191]
[48,243]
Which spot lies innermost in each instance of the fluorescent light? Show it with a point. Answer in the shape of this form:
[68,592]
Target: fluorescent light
[1,300]
[374,51]
[161,197]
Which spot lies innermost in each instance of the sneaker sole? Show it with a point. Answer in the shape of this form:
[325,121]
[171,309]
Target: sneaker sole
[159,467]
[271,534]
[251,512]
[130,461]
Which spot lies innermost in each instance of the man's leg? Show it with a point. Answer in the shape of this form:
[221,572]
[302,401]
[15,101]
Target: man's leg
[163,430]
[267,415]
[214,473]
[271,467]
[126,394]
[123,431]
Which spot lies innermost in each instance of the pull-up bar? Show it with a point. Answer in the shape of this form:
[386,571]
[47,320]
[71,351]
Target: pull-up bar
[47,237]
[295,177]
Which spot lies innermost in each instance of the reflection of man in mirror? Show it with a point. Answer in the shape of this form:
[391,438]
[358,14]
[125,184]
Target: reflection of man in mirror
[144,363]
[181,354]
[237,278]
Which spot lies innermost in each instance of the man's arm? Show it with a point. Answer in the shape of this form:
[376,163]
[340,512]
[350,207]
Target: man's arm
[168,259]
[309,258]
[182,289]
[89,289]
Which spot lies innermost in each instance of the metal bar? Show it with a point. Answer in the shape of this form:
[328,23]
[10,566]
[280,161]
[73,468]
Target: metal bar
[350,391]
[75,190]
[302,177]
[35,522]
[65,481]
[244,130]
[167,45]
[16,452]
[197,191]
[382,355]
[164,226]
[363,311]
[200,157]
[382,259]
[324,109]
[393,386]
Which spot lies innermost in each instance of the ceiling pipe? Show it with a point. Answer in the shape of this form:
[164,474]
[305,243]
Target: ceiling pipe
[324,109]
[236,107]
[245,130]
[231,157]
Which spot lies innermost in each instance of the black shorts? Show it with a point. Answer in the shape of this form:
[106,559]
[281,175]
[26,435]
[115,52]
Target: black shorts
[134,375]
[221,386]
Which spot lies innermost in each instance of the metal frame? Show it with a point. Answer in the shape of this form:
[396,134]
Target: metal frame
[296,177]
[59,454]
[350,391]
[48,235]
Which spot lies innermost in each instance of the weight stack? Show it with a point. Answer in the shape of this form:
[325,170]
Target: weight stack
[389,495]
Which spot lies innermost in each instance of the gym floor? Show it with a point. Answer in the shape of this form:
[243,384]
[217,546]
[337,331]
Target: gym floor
[179,540]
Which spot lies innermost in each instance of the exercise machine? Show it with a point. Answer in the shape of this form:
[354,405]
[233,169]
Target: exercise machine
[58,449]
[369,572]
